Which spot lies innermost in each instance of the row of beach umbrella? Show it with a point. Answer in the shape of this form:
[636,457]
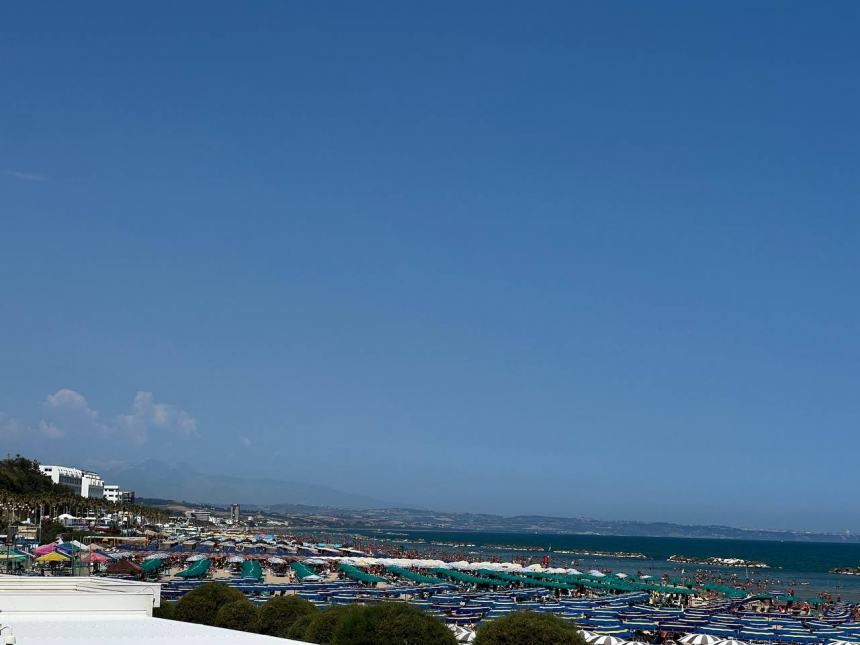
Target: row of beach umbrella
[689,639]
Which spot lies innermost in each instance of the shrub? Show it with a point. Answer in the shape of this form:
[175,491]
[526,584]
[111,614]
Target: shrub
[299,628]
[321,626]
[279,614]
[167,610]
[202,604]
[241,615]
[390,623]
[529,628]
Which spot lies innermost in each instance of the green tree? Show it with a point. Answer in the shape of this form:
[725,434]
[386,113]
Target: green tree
[320,628]
[241,615]
[391,623]
[300,627]
[278,614]
[167,610]
[202,604]
[529,628]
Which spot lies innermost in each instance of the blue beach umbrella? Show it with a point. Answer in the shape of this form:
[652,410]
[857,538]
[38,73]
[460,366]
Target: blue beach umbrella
[757,635]
[798,637]
[640,624]
[718,630]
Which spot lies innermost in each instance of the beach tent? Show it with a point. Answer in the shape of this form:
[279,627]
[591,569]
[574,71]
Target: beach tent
[45,548]
[151,565]
[252,569]
[357,574]
[464,577]
[123,567]
[303,572]
[68,547]
[196,570]
[413,576]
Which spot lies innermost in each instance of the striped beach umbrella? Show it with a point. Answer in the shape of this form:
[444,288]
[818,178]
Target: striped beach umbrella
[606,640]
[699,639]
[730,641]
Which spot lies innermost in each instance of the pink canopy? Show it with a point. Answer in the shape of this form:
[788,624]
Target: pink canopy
[94,556]
[42,550]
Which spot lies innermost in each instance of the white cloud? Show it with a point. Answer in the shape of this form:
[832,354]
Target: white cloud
[10,428]
[65,398]
[147,415]
[68,410]
[15,429]
[51,430]
[25,176]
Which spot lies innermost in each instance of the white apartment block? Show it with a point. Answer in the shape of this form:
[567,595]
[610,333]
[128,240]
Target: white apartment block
[113,493]
[82,482]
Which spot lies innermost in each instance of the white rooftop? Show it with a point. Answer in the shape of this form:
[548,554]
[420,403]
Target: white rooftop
[79,610]
[124,630]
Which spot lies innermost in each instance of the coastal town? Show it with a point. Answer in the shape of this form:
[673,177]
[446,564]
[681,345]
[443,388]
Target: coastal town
[461,585]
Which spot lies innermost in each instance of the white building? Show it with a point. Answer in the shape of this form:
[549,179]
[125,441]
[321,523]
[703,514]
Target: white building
[82,482]
[65,610]
[92,486]
[200,516]
[68,477]
[71,521]
[113,493]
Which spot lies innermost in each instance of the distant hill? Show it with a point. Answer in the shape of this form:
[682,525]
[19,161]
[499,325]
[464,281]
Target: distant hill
[155,478]
[313,505]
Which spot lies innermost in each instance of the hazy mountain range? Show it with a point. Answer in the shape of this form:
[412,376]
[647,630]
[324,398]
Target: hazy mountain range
[154,478]
[315,505]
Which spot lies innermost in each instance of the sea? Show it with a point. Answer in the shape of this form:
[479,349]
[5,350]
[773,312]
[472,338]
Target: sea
[799,566]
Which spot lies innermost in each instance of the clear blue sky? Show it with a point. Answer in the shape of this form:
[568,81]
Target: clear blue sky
[553,257]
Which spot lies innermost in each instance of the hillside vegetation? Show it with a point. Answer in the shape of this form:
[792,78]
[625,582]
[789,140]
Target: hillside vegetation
[21,476]
[26,492]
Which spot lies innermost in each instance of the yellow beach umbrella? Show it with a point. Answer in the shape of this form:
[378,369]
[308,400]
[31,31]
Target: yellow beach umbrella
[53,556]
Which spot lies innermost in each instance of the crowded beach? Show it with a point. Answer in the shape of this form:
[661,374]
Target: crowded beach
[609,607]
